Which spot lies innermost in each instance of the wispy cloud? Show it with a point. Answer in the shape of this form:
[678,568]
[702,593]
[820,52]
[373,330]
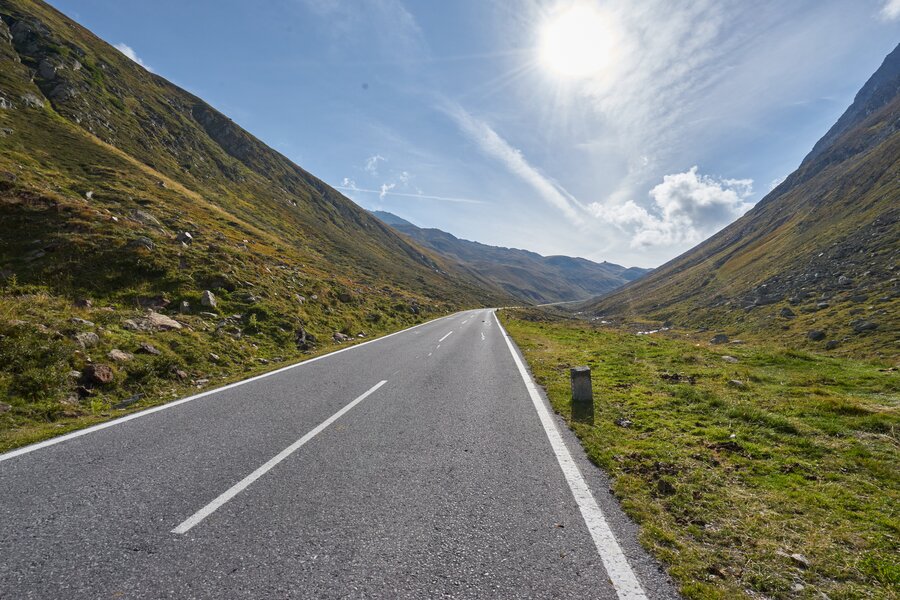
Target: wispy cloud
[130,53]
[371,164]
[493,145]
[350,186]
[890,11]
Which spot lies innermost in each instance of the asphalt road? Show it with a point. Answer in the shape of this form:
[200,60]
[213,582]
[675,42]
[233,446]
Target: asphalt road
[320,481]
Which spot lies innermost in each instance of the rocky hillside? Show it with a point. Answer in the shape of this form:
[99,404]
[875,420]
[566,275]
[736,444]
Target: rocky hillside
[527,276]
[149,245]
[815,263]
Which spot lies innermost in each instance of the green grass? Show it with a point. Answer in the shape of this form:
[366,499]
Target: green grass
[728,481]
[38,353]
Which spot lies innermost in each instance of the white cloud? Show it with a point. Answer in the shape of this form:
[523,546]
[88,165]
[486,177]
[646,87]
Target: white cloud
[890,10]
[385,188]
[130,53]
[687,207]
[494,146]
[372,163]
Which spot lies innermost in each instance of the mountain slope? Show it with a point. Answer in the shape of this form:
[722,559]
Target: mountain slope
[525,275]
[819,253]
[122,193]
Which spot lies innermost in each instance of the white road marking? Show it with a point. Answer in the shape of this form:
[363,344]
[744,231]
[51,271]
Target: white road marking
[482,336]
[150,411]
[430,353]
[266,467]
[620,574]
[464,322]
[445,337]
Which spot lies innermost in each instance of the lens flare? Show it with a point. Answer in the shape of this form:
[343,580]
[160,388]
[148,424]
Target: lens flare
[577,42]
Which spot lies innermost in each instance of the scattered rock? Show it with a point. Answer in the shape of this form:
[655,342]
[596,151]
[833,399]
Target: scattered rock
[816,335]
[736,383]
[154,302]
[71,400]
[665,488]
[128,401]
[207,298]
[845,281]
[339,337]
[185,238]
[98,374]
[859,298]
[305,340]
[4,408]
[143,217]
[730,359]
[822,305]
[787,313]
[34,255]
[83,303]
[623,422]
[32,101]
[142,242]
[119,356]
[179,374]
[84,322]
[862,325]
[800,560]
[832,344]
[161,322]
[146,348]
[300,299]
[200,382]
[152,321]
[89,195]
[46,69]
[720,338]
[213,357]
[87,339]
[678,378]
[184,307]
[344,297]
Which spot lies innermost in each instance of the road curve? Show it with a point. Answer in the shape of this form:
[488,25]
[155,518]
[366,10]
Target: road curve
[420,465]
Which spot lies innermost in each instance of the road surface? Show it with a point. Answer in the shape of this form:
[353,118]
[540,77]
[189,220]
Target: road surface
[419,465]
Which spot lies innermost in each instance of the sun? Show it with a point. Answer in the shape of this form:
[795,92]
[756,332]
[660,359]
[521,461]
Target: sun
[576,42]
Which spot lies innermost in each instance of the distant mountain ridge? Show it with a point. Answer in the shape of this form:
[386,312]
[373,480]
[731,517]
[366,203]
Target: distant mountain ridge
[525,275]
[815,262]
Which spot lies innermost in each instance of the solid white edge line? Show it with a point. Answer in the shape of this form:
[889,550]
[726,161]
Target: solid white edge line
[237,488]
[80,432]
[445,337]
[617,568]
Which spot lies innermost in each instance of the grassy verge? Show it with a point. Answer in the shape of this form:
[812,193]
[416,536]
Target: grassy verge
[769,473]
[42,389]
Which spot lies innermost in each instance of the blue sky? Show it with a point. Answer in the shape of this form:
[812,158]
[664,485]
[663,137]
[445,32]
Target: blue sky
[621,130]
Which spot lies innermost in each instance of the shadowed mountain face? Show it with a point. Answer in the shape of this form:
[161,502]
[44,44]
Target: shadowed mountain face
[818,254]
[525,275]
